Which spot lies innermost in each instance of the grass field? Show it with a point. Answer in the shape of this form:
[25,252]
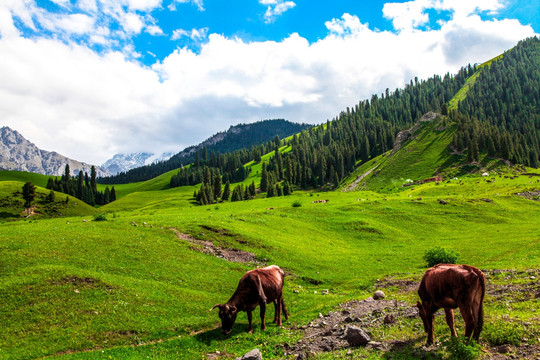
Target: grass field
[70,286]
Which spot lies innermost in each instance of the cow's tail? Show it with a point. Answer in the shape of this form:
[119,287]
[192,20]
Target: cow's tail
[480,322]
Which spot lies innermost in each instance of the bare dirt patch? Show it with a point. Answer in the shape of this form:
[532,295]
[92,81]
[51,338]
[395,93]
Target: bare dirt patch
[209,248]
[531,195]
[327,333]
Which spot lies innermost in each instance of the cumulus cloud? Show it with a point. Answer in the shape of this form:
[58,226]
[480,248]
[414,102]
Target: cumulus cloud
[275,8]
[118,105]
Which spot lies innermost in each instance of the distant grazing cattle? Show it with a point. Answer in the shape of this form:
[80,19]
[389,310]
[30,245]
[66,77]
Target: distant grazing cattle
[256,287]
[451,286]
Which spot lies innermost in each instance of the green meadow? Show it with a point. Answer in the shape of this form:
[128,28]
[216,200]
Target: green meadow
[129,288]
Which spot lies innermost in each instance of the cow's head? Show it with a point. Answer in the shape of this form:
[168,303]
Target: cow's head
[227,314]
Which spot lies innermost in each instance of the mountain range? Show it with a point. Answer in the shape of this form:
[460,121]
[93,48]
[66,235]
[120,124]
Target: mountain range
[125,162]
[17,153]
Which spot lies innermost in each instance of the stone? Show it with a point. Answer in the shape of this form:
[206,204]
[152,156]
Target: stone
[389,319]
[378,295]
[356,336]
[503,349]
[254,354]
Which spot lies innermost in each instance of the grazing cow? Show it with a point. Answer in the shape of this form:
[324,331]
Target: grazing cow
[256,287]
[451,286]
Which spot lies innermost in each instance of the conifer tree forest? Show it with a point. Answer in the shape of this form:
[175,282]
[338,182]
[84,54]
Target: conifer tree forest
[500,114]
[499,117]
[82,187]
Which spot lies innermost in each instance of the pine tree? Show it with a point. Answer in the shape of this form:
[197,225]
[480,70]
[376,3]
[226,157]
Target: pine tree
[264,179]
[226,192]
[51,197]
[217,186]
[29,194]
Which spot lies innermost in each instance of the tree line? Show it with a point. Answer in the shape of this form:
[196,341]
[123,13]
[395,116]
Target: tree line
[82,186]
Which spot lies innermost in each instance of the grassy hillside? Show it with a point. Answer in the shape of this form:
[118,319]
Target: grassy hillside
[23,176]
[12,203]
[90,285]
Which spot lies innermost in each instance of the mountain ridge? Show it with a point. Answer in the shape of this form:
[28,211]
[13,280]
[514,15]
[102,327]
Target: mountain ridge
[18,153]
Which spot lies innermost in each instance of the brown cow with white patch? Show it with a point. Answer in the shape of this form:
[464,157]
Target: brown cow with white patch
[256,287]
[451,286]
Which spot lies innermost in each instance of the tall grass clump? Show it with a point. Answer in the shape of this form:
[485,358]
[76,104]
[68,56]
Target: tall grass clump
[503,332]
[439,255]
[459,349]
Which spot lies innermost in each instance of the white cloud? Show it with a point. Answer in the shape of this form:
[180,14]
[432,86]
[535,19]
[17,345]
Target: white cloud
[275,8]
[410,15]
[193,34]
[198,3]
[154,30]
[118,105]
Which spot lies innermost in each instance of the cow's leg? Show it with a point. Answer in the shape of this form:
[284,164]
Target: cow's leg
[450,321]
[470,321]
[276,312]
[263,312]
[250,321]
[430,321]
[284,309]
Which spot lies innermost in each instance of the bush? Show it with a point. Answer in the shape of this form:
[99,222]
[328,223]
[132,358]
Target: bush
[439,255]
[503,332]
[296,204]
[459,349]
[100,217]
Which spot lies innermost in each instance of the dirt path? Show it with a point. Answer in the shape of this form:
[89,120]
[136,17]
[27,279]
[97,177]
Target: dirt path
[355,183]
[208,247]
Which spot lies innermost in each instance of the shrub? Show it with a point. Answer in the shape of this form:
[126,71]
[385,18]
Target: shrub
[439,255]
[459,349]
[503,332]
[296,204]
[100,217]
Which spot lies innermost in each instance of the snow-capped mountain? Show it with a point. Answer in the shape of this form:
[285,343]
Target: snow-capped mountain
[17,153]
[125,162]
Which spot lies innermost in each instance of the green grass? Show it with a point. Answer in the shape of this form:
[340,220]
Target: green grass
[422,157]
[12,204]
[23,176]
[70,285]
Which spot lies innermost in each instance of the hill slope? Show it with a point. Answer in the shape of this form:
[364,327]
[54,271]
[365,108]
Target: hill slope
[241,136]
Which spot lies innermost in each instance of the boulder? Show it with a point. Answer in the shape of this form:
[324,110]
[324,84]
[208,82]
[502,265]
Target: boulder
[378,295]
[356,336]
[254,354]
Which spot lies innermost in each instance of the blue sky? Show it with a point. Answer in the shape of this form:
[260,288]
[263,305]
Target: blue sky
[160,75]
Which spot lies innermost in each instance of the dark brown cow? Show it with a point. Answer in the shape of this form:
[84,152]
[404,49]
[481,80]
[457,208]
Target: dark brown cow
[451,286]
[256,287]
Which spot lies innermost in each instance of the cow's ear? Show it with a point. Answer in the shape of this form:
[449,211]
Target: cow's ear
[215,306]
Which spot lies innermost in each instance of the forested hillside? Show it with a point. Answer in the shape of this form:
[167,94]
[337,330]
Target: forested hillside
[242,136]
[502,108]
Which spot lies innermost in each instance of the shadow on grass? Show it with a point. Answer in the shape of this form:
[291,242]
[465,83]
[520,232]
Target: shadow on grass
[208,336]
[411,350]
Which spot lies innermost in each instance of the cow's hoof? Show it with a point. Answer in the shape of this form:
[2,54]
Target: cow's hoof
[250,331]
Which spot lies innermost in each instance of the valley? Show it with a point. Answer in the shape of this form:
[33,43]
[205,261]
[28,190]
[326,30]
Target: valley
[135,278]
